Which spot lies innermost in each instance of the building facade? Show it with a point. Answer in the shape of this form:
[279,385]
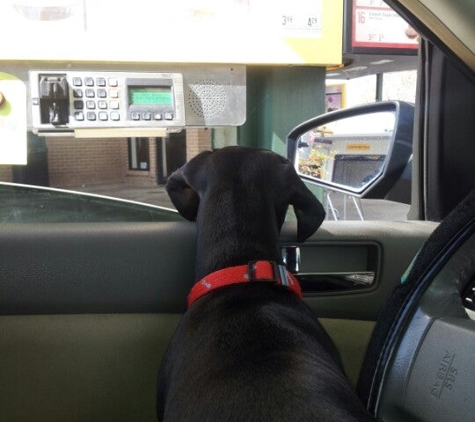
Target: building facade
[71,162]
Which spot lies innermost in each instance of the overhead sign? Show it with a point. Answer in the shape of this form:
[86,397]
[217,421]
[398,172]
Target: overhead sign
[376,26]
[180,31]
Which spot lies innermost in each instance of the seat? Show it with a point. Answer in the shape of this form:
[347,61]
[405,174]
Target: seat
[419,364]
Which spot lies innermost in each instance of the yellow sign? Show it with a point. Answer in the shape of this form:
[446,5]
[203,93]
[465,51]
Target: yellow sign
[181,31]
[13,128]
[358,147]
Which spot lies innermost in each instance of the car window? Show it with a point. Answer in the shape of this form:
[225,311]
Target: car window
[29,204]
[243,104]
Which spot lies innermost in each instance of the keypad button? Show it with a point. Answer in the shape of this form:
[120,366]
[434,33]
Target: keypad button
[115,115]
[101,82]
[78,104]
[135,116]
[114,105]
[102,93]
[113,93]
[168,115]
[157,116]
[146,116]
[77,93]
[77,81]
[103,116]
[90,105]
[89,81]
[91,116]
[102,104]
[90,93]
[79,116]
[113,82]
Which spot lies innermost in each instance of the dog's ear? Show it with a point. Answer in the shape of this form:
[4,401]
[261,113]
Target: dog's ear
[308,209]
[185,199]
[183,186]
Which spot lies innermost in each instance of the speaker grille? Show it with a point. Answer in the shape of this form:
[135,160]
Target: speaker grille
[207,99]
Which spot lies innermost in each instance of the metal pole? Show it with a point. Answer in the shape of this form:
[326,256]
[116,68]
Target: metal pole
[379,86]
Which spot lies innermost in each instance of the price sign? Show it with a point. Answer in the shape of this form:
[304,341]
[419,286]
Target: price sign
[302,18]
[376,25]
[217,31]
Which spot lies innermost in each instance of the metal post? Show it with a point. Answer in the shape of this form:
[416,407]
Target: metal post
[379,86]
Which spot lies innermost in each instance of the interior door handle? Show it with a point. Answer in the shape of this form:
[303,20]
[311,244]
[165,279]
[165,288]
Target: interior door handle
[325,281]
[332,282]
[291,258]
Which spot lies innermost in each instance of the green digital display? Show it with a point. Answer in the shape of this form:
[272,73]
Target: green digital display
[150,96]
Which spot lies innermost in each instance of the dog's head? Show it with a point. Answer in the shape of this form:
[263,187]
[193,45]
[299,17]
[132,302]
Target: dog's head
[255,174]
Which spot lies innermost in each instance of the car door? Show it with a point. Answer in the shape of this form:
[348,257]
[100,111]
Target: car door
[88,309]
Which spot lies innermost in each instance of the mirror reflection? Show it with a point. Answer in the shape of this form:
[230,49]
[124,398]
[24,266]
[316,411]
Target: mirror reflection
[348,152]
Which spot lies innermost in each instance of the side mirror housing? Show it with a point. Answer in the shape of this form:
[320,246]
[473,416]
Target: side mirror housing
[361,151]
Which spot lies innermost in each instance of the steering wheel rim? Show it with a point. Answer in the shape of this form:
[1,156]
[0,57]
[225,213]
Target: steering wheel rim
[424,372]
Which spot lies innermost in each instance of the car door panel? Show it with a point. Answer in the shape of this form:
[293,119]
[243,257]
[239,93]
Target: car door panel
[88,309]
[384,247]
[148,267]
[84,367]
[96,267]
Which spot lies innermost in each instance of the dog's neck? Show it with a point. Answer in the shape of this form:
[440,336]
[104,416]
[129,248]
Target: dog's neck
[234,230]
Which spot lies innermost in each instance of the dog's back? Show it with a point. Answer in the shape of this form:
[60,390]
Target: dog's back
[253,351]
[260,356]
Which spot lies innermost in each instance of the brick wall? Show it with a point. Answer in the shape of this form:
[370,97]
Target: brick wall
[197,140]
[5,173]
[77,162]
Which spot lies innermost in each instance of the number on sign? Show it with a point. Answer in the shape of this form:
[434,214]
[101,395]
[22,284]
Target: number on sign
[312,21]
[286,20]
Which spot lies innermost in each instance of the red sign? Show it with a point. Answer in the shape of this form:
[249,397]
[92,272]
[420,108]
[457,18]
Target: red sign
[376,25]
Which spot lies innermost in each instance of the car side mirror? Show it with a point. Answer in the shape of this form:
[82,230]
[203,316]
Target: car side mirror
[361,151]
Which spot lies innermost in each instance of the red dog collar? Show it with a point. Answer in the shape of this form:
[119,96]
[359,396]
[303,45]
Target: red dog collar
[262,271]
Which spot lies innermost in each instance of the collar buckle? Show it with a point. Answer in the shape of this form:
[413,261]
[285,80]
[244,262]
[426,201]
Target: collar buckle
[257,268]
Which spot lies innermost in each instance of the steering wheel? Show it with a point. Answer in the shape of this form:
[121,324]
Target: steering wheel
[420,362]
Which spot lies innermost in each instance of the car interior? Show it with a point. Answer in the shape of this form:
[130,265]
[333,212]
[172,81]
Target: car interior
[87,309]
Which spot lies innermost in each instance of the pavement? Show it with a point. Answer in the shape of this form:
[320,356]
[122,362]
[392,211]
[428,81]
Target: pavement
[148,194]
[345,208]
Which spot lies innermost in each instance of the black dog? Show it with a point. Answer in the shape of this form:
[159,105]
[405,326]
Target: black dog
[248,349]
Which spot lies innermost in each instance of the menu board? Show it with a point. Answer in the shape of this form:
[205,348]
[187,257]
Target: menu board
[376,26]
[189,31]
